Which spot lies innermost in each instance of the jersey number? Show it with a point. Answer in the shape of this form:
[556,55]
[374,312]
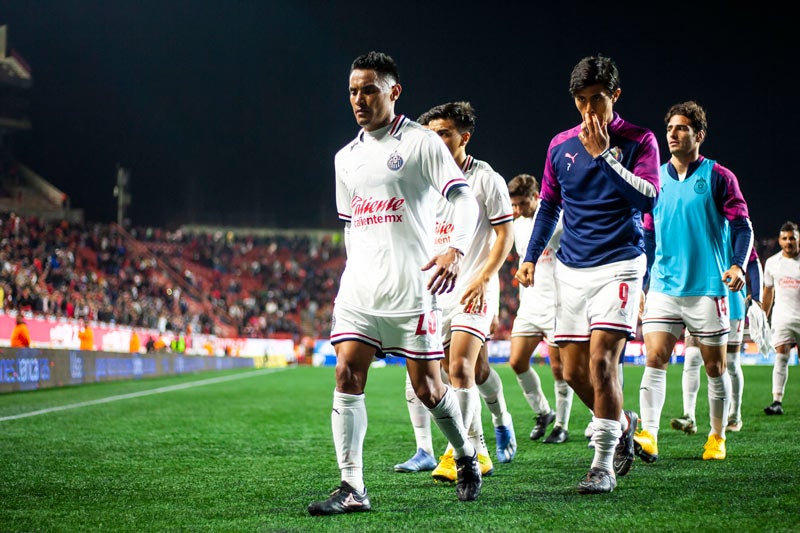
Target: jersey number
[623,294]
[427,323]
[722,305]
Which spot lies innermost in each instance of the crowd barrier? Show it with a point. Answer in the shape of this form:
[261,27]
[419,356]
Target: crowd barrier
[24,369]
[60,333]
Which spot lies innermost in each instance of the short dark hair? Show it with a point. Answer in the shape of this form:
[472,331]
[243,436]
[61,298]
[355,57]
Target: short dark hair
[691,110]
[789,226]
[523,185]
[462,113]
[381,63]
[592,70]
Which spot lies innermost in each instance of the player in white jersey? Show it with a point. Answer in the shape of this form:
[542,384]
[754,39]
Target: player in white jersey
[536,317]
[469,309]
[782,288]
[387,182]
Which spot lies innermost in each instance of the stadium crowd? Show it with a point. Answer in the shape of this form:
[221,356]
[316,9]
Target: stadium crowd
[211,283]
[215,282]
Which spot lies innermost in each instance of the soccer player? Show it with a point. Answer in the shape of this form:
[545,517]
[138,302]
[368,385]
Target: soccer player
[387,181]
[455,123]
[699,219]
[469,309]
[782,288]
[693,361]
[536,318]
[603,173]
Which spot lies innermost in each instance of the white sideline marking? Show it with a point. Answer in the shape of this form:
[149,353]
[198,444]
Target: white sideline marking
[142,393]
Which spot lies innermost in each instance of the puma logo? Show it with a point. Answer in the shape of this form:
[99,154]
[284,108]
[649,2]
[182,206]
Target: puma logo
[571,157]
[351,501]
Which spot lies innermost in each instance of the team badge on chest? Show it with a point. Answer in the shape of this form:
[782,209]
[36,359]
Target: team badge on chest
[395,161]
[700,186]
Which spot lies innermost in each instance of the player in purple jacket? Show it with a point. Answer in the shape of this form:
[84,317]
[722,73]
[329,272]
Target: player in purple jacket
[603,173]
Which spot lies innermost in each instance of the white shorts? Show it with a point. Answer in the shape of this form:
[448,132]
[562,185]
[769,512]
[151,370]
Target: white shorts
[413,337]
[604,297]
[535,321]
[736,335]
[785,331]
[477,323]
[705,317]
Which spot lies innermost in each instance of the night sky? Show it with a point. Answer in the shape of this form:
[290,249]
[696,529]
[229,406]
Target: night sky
[230,112]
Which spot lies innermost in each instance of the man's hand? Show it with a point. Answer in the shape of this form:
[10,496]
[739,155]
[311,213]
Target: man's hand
[734,278]
[525,274]
[474,297]
[594,135]
[447,267]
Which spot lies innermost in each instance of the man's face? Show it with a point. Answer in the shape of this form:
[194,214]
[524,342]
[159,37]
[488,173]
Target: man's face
[681,137]
[595,100]
[446,129]
[524,206]
[372,99]
[788,241]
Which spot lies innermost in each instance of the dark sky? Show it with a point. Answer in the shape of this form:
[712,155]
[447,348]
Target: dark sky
[230,112]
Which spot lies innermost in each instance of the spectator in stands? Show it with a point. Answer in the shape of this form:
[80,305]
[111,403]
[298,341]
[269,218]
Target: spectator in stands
[20,336]
[86,336]
[135,343]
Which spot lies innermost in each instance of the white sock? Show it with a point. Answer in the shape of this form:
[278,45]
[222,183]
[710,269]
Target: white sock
[692,363]
[468,401]
[605,438]
[719,393]
[780,373]
[475,431]
[349,424]
[532,389]
[564,396]
[420,418]
[737,385]
[492,392]
[652,393]
[447,416]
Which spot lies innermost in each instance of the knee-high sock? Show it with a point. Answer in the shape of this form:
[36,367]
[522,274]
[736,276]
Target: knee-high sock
[492,392]
[447,416]
[719,394]
[475,430]
[469,401]
[692,364]
[605,438]
[737,385]
[420,418]
[349,424]
[652,393]
[780,373]
[564,395]
[532,389]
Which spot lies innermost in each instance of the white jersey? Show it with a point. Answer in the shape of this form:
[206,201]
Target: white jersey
[387,185]
[783,273]
[494,205]
[543,291]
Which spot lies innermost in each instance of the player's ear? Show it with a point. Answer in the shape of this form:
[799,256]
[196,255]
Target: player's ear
[396,90]
[465,137]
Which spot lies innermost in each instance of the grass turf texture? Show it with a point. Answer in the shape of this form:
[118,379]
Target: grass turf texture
[251,452]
